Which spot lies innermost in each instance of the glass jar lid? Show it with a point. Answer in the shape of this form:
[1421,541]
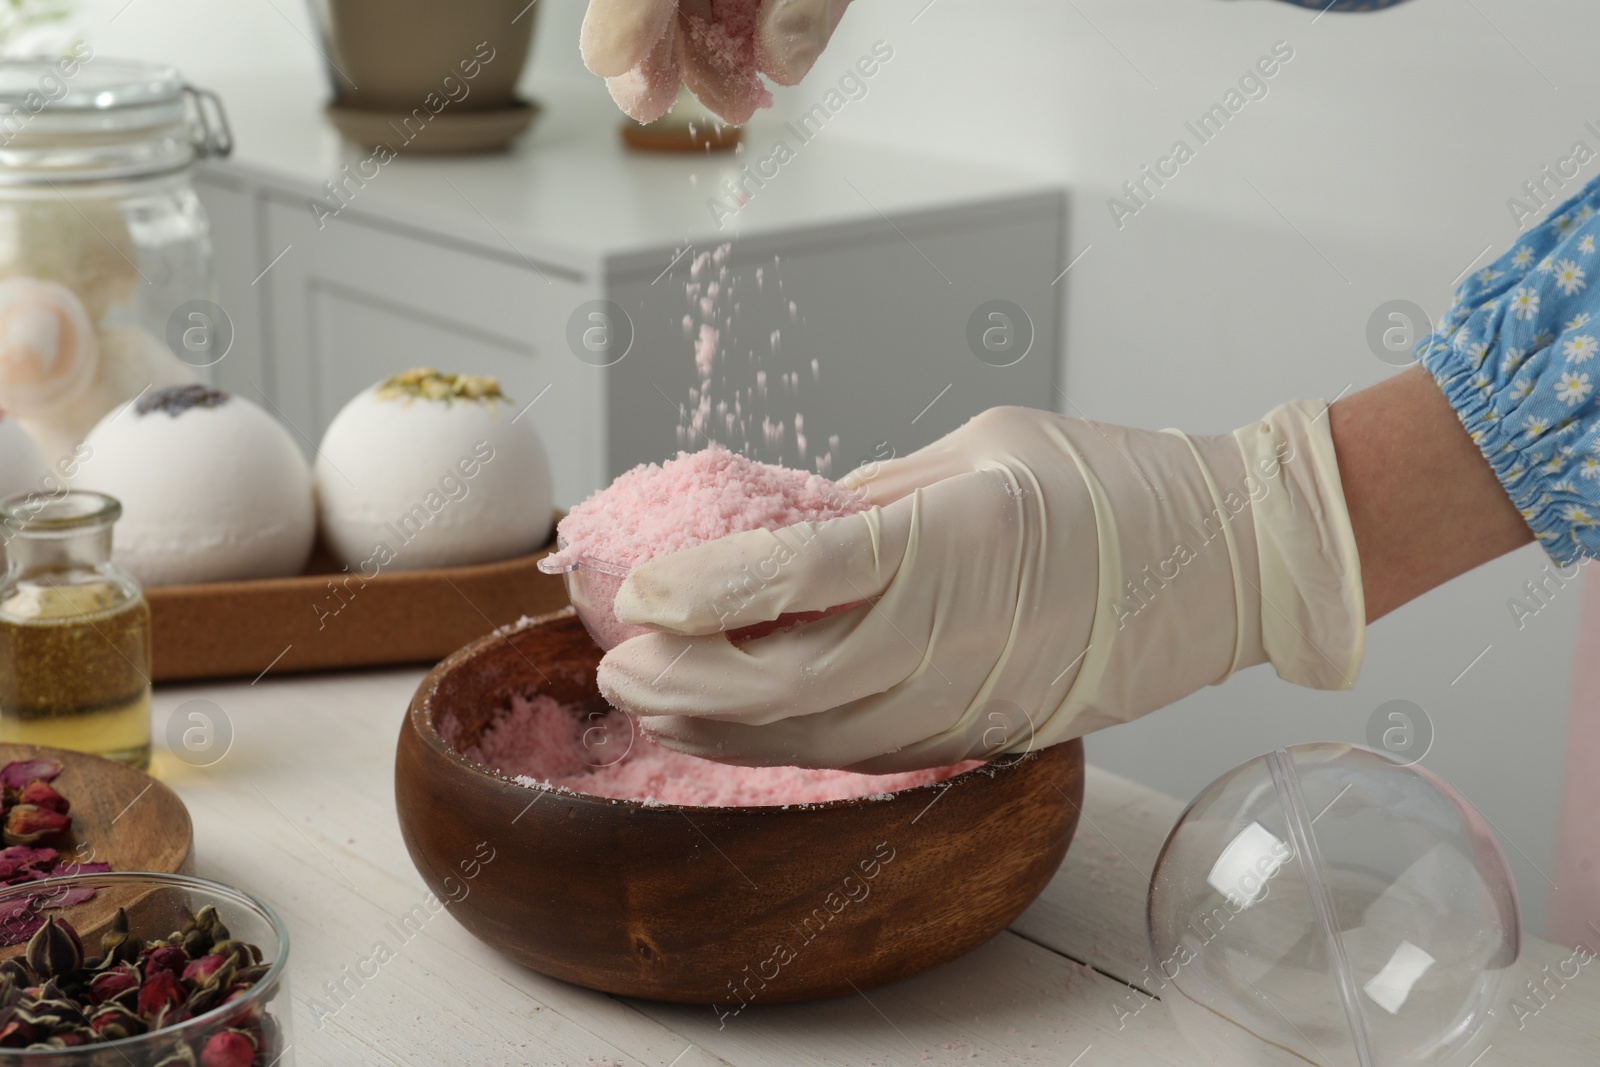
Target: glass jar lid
[83,118]
[61,515]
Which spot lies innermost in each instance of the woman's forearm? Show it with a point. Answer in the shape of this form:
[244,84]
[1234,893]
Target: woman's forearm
[1424,503]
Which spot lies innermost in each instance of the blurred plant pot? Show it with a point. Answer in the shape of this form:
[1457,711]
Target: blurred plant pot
[389,55]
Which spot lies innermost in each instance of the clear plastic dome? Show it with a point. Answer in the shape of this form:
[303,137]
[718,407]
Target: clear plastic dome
[1325,904]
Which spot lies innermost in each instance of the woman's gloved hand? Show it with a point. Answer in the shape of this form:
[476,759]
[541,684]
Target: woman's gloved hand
[1023,581]
[718,48]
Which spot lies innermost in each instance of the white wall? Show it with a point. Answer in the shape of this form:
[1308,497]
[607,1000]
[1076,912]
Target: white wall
[1389,144]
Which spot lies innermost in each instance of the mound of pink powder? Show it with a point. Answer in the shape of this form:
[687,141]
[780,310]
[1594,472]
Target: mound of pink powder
[700,496]
[542,742]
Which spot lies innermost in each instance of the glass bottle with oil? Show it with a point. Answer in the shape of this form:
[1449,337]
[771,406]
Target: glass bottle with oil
[74,630]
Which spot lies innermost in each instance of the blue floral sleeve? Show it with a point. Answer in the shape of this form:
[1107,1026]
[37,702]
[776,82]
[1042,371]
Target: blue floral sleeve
[1515,356]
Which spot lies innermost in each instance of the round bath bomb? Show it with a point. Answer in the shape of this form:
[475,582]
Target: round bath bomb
[49,357]
[432,470]
[212,488]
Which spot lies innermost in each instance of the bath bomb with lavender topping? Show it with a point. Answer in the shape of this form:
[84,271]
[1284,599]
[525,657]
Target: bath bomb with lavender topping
[212,488]
[432,470]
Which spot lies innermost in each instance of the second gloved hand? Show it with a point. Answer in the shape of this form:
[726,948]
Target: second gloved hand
[1023,581]
[718,48]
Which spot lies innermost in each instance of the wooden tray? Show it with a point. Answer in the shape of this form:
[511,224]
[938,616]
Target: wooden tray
[327,619]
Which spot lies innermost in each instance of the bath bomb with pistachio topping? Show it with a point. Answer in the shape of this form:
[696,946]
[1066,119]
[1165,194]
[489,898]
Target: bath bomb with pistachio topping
[432,470]
[212,488]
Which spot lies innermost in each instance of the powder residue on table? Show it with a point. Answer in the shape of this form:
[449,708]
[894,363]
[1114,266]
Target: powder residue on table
[540,741]
[655,509]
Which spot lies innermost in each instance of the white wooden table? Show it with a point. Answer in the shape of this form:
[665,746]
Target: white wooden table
[301,812]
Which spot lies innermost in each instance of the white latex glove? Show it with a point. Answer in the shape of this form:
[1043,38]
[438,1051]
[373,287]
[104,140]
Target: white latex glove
[645,48]
[1032,577]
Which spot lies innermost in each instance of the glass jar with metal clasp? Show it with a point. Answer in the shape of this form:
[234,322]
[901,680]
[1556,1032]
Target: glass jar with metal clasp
[104,246]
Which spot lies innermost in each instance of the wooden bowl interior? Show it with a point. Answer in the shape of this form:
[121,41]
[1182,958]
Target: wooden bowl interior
[558,660]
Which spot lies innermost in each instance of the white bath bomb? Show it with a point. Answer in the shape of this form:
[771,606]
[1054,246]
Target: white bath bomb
[212,488]
[430,470]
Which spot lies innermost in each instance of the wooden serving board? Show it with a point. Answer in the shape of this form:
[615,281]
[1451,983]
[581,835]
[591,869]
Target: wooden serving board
[120,815]
[327,619]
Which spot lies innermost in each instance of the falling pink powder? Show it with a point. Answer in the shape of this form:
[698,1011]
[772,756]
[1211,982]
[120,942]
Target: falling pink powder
[542,742]
[705,349]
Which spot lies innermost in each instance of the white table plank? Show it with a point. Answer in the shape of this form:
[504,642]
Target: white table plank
[1093,909]
[1010,1002]
[301,812]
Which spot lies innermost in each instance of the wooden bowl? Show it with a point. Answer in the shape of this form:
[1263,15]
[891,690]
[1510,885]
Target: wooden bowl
[710,905]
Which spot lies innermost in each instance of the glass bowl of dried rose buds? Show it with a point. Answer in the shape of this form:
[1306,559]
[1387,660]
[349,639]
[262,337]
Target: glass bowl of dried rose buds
[141,970]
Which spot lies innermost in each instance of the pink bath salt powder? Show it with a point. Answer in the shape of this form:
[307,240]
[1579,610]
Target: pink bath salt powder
[723,57]
[656,509]
[726,58]
[543,742]
[730,34]
[705,349]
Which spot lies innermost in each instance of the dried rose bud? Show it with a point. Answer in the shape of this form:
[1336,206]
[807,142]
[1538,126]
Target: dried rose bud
[168,958]
[205,968]
[207,918]
[196,943]
[228,1049]
[114,1021]
[54,949]
[239,990]
[41,1018]
[43,794]
[16,1034]
[119,949]
[27,823]
[237,951]
[252,974]
[108,984]
[160,990]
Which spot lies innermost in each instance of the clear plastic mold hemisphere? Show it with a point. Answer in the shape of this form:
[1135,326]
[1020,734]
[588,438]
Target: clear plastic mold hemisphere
[1326,904]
